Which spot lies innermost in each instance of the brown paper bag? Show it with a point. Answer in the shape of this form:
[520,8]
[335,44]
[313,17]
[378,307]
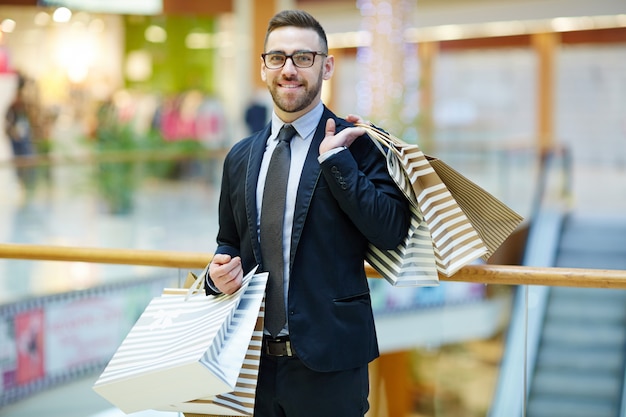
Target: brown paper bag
[493,220]
[461,227]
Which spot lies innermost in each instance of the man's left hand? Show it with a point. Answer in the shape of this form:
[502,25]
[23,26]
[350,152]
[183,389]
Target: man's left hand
[343,138]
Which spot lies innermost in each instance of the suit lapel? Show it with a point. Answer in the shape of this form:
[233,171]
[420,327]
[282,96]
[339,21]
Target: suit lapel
[308,181]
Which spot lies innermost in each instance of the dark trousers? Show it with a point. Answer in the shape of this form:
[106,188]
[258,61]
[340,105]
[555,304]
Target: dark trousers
[287,388]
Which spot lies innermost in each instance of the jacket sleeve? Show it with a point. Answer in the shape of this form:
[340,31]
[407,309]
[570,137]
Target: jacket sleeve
[228,237]
[365,191]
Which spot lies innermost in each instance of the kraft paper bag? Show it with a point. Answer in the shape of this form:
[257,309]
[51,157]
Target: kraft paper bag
[182,348]
[493,220]
[453,221]
[412,262]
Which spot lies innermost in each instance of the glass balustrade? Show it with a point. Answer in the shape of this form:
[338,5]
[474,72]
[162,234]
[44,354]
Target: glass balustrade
[446,350]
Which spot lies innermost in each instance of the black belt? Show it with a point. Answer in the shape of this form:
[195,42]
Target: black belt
[281,346]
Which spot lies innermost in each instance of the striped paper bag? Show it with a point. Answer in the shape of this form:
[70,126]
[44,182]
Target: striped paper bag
[183,347]
[493,220]
[463,221]
[239,402]
[412,262]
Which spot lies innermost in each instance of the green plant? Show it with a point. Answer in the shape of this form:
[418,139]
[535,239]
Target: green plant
[127,157]
[116,176]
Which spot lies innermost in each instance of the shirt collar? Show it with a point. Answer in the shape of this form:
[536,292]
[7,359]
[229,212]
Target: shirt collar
[304,125]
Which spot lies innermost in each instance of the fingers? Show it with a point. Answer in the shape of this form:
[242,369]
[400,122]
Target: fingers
[349,135]
[226,273]
[330,127]
[353,118]
[343,138]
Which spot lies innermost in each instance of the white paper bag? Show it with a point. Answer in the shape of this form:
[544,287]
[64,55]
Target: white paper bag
[176,350]
[239,402]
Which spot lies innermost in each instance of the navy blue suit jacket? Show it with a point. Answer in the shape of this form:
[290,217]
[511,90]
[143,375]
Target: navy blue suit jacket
[342,204]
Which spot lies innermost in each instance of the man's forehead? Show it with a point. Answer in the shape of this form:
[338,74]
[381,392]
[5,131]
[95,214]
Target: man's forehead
[291,37]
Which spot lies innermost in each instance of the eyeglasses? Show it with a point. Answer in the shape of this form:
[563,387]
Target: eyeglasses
[301,59]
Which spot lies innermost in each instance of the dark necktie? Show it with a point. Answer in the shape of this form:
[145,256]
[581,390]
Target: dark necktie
[272,220]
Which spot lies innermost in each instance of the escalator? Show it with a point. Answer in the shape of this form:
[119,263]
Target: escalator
[567,344]
[581,347]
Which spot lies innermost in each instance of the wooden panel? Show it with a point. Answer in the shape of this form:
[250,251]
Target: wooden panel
[486,43]
[612,35]
[596,36]
[545,45]
[197,7]
[264,10]
[18,2]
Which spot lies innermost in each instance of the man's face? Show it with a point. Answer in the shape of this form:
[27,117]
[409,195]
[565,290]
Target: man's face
[295,90]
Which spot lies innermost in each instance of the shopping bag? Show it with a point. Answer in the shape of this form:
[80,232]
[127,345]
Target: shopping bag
[441,237]
[412,262]
[176,351]
[493,220]
[239,402]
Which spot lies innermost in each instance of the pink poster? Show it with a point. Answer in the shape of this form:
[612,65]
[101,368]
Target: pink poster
[8,354]
[29,336]
[84,331]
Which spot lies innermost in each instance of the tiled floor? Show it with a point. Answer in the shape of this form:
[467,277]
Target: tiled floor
[75,399]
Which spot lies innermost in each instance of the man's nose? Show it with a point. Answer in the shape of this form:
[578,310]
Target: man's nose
[289,66]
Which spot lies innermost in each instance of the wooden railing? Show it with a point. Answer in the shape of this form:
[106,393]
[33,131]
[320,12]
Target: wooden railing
[484,274]
[92,157]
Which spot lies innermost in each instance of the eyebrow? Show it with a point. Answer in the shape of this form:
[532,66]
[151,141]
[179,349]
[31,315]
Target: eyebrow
[282,51]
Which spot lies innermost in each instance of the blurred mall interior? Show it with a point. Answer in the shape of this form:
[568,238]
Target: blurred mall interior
[131,106]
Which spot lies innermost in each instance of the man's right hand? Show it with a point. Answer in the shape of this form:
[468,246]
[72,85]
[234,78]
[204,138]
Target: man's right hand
[226,273]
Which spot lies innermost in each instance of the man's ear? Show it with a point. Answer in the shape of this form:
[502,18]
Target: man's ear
[329,67]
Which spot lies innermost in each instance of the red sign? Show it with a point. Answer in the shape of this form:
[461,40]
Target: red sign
[29,336]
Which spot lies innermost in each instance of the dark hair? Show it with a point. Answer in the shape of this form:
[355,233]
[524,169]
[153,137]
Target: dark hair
[297,18]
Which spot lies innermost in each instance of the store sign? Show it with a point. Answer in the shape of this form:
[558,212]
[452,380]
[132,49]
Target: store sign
[140,7]
[29,337]
[85,330]
[52,339]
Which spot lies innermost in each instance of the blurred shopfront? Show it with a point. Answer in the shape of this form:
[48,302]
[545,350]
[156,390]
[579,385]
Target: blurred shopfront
[486,97]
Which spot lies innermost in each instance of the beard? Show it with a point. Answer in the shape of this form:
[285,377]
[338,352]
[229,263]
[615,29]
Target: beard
[293,104]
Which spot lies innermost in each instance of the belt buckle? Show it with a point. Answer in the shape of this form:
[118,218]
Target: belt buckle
[277,347]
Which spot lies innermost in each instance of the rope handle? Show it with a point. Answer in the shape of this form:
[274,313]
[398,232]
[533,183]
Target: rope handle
[194,289]
[381,137]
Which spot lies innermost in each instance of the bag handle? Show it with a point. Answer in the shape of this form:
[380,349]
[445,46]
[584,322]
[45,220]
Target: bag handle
[195,287]
[380,136]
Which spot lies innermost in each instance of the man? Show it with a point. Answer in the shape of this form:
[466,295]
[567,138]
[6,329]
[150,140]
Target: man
[339,197]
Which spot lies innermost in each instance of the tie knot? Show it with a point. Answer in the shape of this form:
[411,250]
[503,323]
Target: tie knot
[287,132]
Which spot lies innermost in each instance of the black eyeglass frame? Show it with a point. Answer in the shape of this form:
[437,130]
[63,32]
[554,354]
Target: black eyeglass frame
[315,54]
